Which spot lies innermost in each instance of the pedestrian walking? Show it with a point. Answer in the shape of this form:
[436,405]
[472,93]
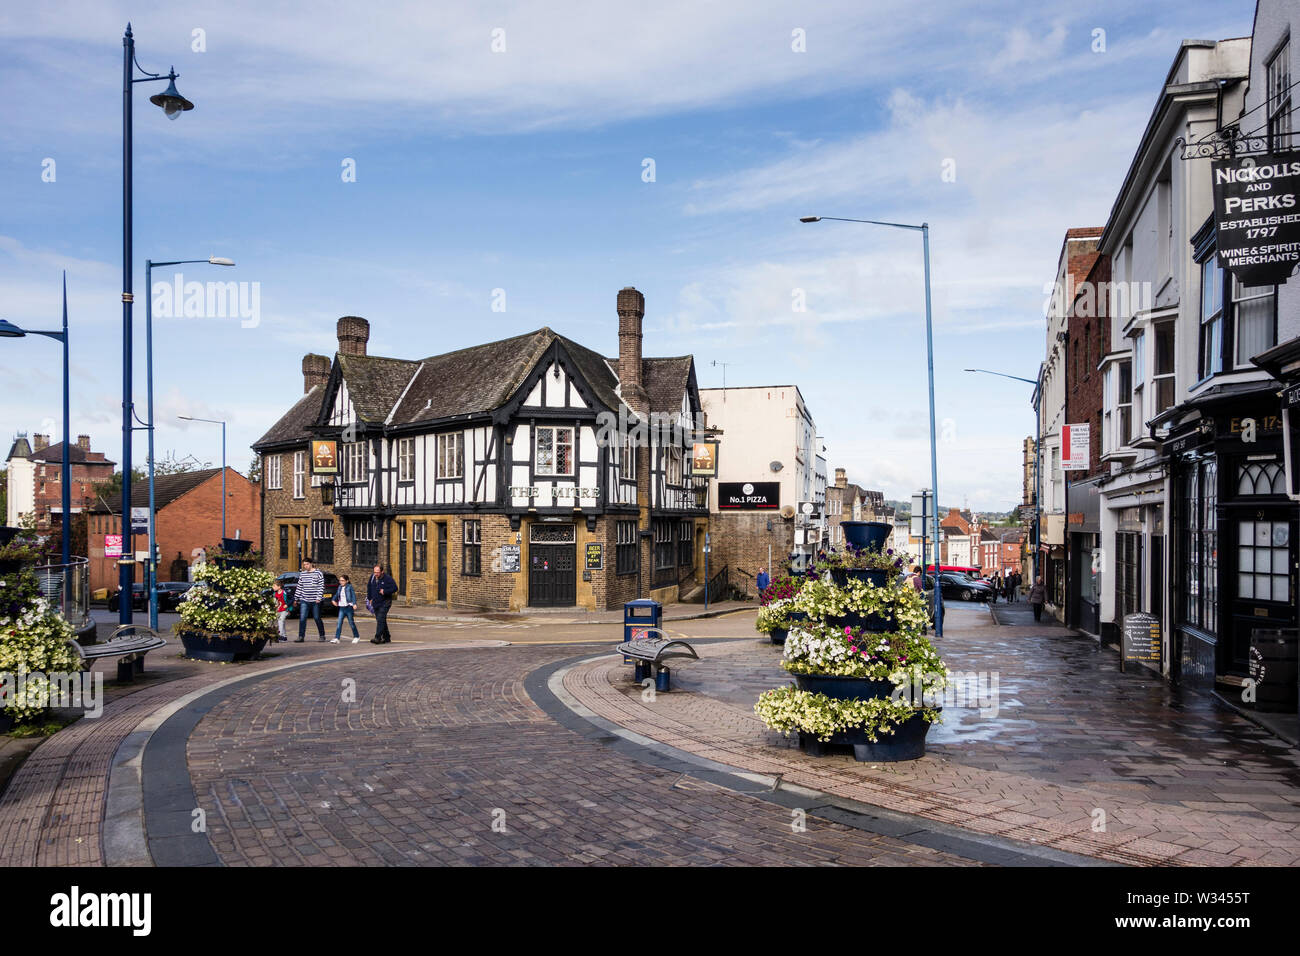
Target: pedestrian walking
[1037,596]
[915,578]
[346,601]
[762,581]
[1016,581]
[307,595]
[379,598]
[995,585]
[1008,586]
[281,610]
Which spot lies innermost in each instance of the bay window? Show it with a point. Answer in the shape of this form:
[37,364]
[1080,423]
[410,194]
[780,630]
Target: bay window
[1211,349]
[1253,320]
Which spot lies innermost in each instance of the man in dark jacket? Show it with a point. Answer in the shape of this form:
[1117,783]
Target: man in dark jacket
[379,596]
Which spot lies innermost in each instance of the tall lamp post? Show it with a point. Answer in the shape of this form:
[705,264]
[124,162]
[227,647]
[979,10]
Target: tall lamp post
[151,568]
[10,331]
[1038,456]
[924,230]
[216,421]
[173,105]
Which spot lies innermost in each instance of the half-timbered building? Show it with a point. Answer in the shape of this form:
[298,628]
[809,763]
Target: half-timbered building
[531,471]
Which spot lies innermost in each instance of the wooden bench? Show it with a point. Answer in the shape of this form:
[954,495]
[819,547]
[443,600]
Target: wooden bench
[129,648]
[649,653]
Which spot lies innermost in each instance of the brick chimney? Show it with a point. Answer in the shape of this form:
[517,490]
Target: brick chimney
[40,441]
[315,371]
[841,478]
[631,310]
[83,442]
[354,333]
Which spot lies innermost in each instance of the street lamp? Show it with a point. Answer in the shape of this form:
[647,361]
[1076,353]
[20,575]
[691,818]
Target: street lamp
[924,230]
[10,331]
[151,568]
[216,421]
[172,104]
[1038,456]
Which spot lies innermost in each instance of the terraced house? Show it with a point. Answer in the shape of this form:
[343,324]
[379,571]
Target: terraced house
[531,471]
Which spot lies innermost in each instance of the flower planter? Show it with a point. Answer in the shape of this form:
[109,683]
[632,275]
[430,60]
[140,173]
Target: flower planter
[876,577]
[870,535]
[907,742]
[796,616]
[236,545]
[778,635]
[219,647]
[874,623]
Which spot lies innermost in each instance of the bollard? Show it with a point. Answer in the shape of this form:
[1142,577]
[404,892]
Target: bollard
[662,679]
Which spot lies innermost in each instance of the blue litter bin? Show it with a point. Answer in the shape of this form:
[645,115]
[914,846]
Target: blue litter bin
[639,615]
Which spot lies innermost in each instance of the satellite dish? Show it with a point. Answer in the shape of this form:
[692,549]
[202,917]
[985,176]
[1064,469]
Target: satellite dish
[787,511]
[776,466]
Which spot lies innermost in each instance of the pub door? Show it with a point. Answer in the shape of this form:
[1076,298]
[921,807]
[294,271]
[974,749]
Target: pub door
[401,559]
[552,577]
[442,560]
[1261,578]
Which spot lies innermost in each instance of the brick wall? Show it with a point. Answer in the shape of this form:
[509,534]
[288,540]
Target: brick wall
[740,541]
[1087,341]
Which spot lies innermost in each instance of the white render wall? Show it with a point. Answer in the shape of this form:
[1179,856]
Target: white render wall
[759,426]
[21,492]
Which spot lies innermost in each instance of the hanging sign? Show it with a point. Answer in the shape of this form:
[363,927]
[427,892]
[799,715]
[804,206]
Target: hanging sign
[324,457]
[1257,216]
[1075,446]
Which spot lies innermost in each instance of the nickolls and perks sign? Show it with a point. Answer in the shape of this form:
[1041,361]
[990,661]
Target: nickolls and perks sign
[1257,216]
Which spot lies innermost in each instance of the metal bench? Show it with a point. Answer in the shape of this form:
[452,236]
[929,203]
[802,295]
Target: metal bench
[649,653]
[129,648]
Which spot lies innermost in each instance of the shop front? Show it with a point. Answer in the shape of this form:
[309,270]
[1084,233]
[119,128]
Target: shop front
[1235,533]
[1085,565]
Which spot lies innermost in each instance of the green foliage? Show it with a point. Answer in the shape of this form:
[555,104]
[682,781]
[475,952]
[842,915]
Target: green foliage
[229,599]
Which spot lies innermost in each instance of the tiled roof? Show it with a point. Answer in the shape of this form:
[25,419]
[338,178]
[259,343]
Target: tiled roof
[20,449]
[167,488]
[53,454]
[375,383]
[665,381]
[292,426]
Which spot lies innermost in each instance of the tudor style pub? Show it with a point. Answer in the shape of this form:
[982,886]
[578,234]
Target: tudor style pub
[490,477]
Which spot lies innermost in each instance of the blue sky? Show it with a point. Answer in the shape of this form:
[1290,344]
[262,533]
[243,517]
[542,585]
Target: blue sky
[522,170]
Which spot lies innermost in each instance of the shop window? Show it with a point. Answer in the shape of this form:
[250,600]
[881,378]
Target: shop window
[1211,349]
[1198,543]
[686,544]
[625,548]
[1264,560]
[1261,478]
[1254,320]
[365,544]
[554,451]
[420,547]
[322,541]
[472,560]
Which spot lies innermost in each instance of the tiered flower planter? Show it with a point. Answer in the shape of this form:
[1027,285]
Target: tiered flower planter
[862,621]
[232,644]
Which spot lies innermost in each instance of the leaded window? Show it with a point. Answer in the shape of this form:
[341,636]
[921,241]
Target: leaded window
[1264,560]
[554,451]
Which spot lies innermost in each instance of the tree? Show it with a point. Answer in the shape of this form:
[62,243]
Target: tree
[255,469]
[111,490]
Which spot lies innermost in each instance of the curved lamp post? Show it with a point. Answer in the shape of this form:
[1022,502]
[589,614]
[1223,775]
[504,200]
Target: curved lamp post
[1038,456]
[10,331]
[216,421]
[151,567]
[924,230]
[173,105]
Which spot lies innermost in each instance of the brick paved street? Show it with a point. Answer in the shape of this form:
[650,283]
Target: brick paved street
[1179,777]
[435,745]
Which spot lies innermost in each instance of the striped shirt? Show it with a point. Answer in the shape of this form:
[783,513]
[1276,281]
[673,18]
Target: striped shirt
[311,587]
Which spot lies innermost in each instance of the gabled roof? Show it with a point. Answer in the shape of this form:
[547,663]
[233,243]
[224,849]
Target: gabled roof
[53,454]
[20,448]
[665,381]
[375,383]
[292,426]
[167,488]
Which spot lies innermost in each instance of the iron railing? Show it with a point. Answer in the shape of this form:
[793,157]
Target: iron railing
[719,585]
[67,587]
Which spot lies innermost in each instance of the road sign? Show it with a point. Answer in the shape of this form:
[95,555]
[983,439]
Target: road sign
[112,545]
[139,520]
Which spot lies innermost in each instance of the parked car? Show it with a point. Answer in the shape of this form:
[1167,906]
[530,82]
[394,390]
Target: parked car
[139,599]
[170,594]
[289,581]
[960,587]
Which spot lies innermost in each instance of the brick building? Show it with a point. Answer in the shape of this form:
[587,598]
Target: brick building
[188,519]
[35,479]
[1088,336]
[531,471]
